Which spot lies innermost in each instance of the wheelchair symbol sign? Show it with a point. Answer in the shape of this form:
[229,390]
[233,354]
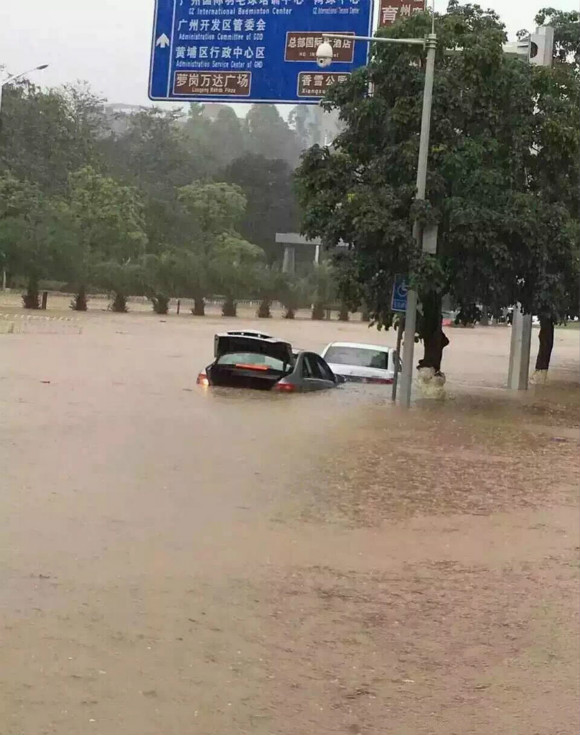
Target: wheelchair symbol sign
[399,298]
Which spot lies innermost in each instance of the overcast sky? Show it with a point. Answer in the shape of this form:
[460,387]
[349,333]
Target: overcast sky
[107,42]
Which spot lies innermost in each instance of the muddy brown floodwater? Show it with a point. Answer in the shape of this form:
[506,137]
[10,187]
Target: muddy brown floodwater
[179,561]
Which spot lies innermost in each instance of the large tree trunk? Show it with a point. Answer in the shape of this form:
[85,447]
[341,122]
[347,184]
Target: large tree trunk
[264,311]
[198,306]
[160,303]
[318,311]
[343,313]
[79,302]
[434,339]
[31,299]
[119,303]
[546,340]
[229,307]
[431,379]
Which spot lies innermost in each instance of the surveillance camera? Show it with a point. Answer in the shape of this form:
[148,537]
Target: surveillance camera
[324,55]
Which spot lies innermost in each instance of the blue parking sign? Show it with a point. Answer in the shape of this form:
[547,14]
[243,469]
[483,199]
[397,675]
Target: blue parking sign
[399,297]
[253,50]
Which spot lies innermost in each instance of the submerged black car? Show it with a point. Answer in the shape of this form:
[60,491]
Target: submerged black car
[246,359]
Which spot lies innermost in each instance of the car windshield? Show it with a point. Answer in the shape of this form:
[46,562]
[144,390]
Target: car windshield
[361,356]
[254,359]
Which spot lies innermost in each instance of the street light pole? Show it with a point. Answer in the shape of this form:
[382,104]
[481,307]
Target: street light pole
[3,83]
[411,311]
[430,42]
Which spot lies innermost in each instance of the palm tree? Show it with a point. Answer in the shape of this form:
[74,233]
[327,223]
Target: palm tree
[193,277]
[293,293]
[121,279]
[269,285]
[159,274]
[233,265]
[322,285]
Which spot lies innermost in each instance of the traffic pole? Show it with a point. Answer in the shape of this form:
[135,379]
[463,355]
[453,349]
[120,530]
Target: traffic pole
[411,311]
[400,327]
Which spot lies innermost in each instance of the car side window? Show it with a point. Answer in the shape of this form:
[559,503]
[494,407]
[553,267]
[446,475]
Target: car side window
[380,360]
[325,372]
[310,368]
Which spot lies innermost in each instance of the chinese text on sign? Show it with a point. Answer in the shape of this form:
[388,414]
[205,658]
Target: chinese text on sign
[253,50]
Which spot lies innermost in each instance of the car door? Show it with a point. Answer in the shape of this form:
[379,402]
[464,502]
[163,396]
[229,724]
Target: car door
[330,379]
[316,373]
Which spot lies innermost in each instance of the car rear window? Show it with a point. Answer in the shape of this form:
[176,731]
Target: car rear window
[253,358]
[361,356]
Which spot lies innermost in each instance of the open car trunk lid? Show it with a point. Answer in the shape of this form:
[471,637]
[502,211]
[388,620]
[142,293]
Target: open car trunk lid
[226,343]
[242,369]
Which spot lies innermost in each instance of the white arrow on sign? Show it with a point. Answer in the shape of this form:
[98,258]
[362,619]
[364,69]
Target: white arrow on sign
[162,41]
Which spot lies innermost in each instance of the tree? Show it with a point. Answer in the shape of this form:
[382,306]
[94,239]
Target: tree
[269,135]
[566,27]
[362,190]
[555,179]
[109,221]
[199,137]
[219,256]
[161,275]
[293,294]
[216,207]
[120,279]
[232,264]
[322,288]
[271,204]
[36,234]
[313,125]
[45,135]
[227,140]
[269,284]
[153,154]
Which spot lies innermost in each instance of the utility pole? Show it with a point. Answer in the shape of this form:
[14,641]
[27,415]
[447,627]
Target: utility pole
[538,50]
[324,55]
[519,364]
[412,299]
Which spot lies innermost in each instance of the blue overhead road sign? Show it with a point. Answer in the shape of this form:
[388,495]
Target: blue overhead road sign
[399,298]
[253,50]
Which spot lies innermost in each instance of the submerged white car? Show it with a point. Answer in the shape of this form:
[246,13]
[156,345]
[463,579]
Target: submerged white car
[361,363]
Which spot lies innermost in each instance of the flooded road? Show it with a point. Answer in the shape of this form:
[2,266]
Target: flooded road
[182,560]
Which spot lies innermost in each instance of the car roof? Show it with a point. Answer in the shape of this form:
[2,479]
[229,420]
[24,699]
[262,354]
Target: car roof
[361,345]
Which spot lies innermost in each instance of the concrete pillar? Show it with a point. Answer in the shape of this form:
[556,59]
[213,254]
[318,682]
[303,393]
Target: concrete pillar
[289,262]
[519,365]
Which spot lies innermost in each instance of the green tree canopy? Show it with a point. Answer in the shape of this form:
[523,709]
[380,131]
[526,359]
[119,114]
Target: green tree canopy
[46,135]
[109,215]
[271,202]
[37,236]
[269,135]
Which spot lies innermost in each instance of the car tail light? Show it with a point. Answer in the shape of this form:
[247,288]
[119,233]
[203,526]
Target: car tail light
[202,379]
[285,387]
[378,381]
